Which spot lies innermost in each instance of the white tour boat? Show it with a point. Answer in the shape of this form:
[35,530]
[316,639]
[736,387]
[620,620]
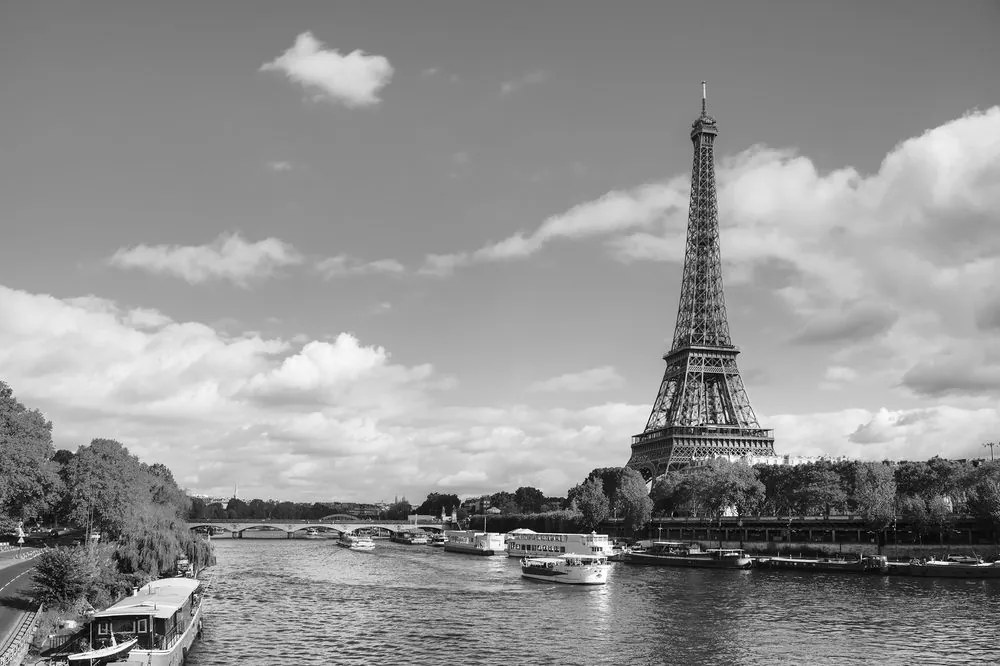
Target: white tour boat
[356,541]
[526,543]
[154,627]
[472,542]
[567,569]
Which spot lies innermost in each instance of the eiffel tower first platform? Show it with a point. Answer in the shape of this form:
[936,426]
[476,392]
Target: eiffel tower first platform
[702,408]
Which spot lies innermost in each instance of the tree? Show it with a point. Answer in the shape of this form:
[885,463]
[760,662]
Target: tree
[107,487]
[63,576]
[874,496]
[592,503]
[435,502]
[819,489]
[668,493]
[633,500]
[529,500]
[29,481]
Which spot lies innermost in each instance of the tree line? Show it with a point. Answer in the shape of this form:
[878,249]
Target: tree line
[137,509]
[926,495]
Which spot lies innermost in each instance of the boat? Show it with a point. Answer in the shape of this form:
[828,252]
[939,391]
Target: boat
[437,540]
[679,554]
[410,537]
[473,542]
[113,651]
[953,568]
[570,569]
[863,564]
[313,533]
[526,543]
[158,623]
[356,542]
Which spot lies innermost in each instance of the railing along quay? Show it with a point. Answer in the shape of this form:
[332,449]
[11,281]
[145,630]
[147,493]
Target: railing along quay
[14,651]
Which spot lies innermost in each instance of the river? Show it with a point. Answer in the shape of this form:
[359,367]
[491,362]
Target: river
[311,602]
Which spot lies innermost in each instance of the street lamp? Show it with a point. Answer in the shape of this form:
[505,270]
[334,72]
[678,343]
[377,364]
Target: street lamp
[991,445]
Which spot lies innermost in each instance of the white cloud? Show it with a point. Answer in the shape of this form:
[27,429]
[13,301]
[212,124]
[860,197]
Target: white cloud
[228,257]
[345,266]
[604,378]
[892,272]
[529,79]
[279,166]
[353,79]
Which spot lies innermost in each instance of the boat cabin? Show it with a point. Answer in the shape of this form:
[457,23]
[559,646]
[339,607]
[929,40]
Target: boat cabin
[157,615]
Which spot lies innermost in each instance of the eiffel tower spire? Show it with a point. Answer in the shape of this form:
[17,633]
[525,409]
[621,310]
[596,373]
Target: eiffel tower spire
[701,408]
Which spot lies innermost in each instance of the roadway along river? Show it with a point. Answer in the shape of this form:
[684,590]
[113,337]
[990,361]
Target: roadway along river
[311,602]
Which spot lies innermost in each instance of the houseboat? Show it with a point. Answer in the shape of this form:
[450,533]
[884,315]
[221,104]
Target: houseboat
[954,568]
[864,564]
[158,623]
[410,537]
[472,542]
[356,542]
[679,554]
[526,543]
[567,569]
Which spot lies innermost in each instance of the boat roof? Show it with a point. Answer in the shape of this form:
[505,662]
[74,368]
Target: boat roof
[159,599]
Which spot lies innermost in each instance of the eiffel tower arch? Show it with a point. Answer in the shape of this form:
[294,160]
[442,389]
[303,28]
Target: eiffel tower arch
[702,408]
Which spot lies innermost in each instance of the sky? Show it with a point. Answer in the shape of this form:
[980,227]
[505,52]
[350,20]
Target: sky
[365,250]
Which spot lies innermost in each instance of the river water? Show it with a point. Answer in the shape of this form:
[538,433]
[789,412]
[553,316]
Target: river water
[311,602]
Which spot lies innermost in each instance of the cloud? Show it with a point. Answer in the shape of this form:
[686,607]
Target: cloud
[345,266]
[529,79]
[228,257]
[321,419]
[279,166]
[352,80]
[887,270]
[604,378]
[615,212]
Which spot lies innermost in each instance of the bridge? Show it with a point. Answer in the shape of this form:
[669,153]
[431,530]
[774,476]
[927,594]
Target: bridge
[340,524]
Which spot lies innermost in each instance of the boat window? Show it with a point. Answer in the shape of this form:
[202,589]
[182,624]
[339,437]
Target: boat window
[141,626]
[103,628]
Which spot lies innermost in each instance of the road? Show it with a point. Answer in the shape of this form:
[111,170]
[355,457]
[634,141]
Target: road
[15,584]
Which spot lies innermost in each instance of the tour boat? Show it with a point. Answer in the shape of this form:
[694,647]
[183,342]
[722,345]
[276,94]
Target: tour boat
[568,569]
[437,540]
[313,533]
[356,542]
[162,619]
[411,537]
[679,554]
[865,564]
[526,543]
[472,542]
[954,569]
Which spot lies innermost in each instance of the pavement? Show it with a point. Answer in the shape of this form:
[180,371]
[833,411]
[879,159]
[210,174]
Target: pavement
[15,588]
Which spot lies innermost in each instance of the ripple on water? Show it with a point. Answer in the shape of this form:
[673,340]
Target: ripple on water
[310,602]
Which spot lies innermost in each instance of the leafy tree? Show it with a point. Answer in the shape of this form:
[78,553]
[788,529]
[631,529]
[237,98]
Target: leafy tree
[529,500]
[669,494]
[29,481]
[592,503]
[107,487]
[819,489]
[63,576]
[633,500]
[874,495]
[504,501]
[435,502]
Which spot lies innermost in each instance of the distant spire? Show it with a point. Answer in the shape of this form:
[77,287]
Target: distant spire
[704,96]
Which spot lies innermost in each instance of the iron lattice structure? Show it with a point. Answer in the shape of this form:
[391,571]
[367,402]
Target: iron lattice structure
[702,408]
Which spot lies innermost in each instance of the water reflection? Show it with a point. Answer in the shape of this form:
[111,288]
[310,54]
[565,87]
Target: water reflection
[310,602]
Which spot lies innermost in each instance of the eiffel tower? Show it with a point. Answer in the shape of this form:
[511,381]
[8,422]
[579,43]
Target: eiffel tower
[702,408]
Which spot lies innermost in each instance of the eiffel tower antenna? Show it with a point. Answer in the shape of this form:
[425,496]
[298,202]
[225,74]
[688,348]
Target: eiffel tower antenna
[701,408]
